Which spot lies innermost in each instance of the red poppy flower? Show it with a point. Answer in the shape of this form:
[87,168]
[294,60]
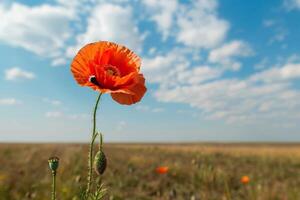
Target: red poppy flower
[110,68]
[162,170]
[245,180]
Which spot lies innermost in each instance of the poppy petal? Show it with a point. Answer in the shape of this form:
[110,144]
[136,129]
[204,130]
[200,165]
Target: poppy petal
[105,57]
[126,60]
[137,91]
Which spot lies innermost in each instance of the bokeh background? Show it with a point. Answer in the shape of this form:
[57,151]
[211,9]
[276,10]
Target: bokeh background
[215,70]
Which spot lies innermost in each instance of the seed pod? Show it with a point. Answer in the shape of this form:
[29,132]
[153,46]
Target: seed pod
[100,162]
[53,163]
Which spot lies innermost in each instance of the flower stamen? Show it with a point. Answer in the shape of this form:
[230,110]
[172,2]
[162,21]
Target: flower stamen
[112,70]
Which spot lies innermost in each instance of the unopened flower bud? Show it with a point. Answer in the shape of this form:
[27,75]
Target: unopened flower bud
[100,162]
[53,163]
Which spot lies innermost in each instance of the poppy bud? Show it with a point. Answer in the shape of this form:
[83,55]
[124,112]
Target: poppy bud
[53,163]
[100,162]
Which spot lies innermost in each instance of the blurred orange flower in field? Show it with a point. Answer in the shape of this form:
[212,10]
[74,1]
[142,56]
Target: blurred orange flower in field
[245,179]
[162,170]
[110,68]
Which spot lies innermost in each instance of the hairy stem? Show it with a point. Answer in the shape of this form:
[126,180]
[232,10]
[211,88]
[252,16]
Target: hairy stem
[100,141]
[53,185]
[90,157]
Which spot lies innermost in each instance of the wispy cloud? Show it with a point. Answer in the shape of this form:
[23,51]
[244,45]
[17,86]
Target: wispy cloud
[279,36]
[269,22]
[146,108]
[53,114]
[17,73]
[266,95]
[226,54]
[291,4]
[286,72]
[280,33]
[9,101]
[66,116]
[262,64]
[53,102]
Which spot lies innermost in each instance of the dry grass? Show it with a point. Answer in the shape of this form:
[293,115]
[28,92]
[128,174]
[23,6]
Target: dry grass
[197,171]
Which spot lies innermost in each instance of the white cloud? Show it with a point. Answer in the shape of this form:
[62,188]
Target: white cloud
[142,108]
[175,68]
[9,101]
[198,74]
[16,73]
[152,51]
[184,76]
[181,78]
[66,116]
[192,74]
[269,22]
[41,29]
[225,54]
[146,108]
[110,22]
[233,100]
[73,4]
[53,114]
[164,68]
[163,14]
[199,25]
[287,72]
[234,48]
[266,95]
[53,102]
[59,61]
[194,25]
[46,29]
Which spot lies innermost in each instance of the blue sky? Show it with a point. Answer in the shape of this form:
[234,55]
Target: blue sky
[215,70]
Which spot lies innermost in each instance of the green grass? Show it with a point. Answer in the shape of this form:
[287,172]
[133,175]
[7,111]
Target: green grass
[197,171]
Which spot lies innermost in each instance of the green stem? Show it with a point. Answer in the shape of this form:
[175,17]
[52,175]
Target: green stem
[94,135]
[53,185]
[100,141]
[227,190]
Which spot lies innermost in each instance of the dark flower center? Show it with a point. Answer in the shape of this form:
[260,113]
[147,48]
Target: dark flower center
[93,80]
[110,71]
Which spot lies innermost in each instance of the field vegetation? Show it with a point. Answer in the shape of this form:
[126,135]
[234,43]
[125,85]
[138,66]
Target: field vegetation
[196,171]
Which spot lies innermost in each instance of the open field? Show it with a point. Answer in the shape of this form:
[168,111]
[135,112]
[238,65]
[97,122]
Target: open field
[197,171]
